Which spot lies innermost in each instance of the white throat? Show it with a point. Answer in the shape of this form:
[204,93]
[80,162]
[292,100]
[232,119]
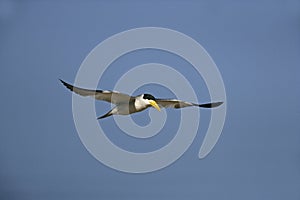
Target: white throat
[141,103]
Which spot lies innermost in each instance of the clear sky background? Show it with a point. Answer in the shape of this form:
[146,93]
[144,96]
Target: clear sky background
[256,46]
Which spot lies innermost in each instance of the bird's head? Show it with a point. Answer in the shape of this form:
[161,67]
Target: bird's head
[150,100]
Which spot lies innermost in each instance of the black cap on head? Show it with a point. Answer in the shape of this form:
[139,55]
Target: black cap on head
[149,97]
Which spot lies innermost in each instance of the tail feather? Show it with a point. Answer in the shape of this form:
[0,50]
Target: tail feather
[106,115]
[111,112]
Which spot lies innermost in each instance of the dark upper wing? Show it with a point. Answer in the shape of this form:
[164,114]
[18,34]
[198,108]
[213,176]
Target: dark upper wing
[104,95]
[174,103]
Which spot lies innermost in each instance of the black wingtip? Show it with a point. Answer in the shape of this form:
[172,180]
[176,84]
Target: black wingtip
[69,86]
[211,105]
[63,82]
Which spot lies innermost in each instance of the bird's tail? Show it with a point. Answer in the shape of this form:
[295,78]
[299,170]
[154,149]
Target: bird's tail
[106,115]
[111,112]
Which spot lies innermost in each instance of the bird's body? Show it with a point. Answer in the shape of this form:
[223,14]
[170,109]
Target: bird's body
[126,105]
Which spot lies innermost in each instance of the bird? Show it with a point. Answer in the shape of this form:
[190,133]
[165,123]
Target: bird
[126,104]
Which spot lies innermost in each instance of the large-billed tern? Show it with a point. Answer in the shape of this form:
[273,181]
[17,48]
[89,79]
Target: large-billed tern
[126,105]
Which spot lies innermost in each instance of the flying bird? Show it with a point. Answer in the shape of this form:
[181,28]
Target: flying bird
[126,105]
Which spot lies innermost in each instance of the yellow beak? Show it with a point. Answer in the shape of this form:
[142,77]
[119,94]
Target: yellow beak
[154,104]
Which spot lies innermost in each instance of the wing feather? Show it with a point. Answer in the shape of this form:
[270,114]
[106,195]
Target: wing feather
[175,103]
[103,95]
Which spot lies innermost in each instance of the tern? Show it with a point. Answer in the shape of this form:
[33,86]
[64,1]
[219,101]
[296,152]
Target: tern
[126,104]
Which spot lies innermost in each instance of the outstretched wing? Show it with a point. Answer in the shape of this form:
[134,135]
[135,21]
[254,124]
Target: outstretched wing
[103,95]
[175,103]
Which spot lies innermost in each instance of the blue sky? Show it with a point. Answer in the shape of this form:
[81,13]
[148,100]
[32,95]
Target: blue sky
[256,46]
